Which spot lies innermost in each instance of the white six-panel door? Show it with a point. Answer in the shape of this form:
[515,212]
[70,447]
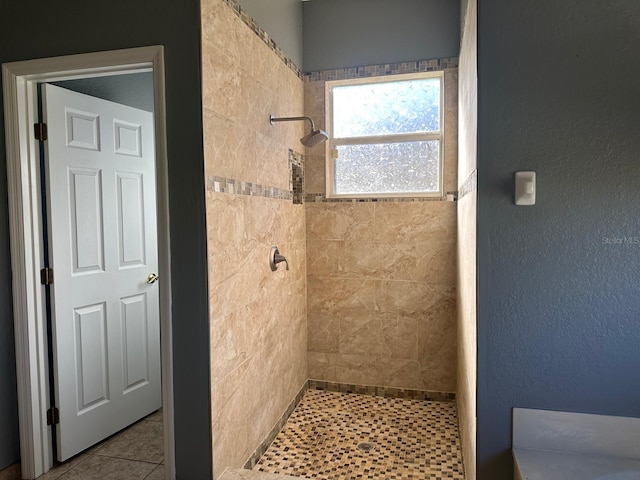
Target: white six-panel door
[100,171]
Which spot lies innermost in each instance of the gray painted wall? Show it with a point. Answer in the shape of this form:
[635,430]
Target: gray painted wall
[134,90]
[9,435]
[282,20]
[558,308]
[350,33]
[75,26]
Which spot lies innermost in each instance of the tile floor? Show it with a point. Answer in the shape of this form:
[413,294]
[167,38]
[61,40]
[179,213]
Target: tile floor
[411,439]
[135,453]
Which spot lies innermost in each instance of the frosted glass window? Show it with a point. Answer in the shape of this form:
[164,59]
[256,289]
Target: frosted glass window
[409,167]
[385,136]
[411,106]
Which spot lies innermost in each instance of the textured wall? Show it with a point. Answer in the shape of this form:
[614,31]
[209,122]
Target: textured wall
[467,230]
[258,317]
[349,33]
[381,278]
[558,295]
[74,26]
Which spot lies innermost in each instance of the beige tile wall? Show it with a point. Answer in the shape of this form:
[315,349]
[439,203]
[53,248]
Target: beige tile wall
[382,277]
[258,317]
[467,212]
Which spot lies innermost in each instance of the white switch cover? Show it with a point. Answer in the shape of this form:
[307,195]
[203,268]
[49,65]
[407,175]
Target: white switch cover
[525,188]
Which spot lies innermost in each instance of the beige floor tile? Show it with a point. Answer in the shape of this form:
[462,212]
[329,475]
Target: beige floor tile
[157,474]
[58,470]
[12,472]
[142,441]
[106,468]
[155,416]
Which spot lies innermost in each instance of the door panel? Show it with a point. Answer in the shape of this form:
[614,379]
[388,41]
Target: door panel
[102,240]
[131,219]
[91,354]
[83,129]
[134,333]
[86,220]
[128,138]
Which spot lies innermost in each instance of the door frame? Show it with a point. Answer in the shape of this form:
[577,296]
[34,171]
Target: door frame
[25,222]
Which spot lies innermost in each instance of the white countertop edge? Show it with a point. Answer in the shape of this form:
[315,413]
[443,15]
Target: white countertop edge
[546,465]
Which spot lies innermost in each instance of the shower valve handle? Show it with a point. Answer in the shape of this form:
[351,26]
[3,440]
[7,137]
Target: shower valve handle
[275,258]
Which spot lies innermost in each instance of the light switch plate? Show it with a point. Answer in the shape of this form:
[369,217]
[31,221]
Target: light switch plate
[525,188]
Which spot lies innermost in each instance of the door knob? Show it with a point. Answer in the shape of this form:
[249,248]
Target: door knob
[152,278]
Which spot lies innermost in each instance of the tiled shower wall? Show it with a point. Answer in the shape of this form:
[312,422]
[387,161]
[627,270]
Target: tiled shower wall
[258,317]
[381,276]
[467,212]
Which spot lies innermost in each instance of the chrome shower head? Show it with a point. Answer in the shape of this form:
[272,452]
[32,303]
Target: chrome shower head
[316,137]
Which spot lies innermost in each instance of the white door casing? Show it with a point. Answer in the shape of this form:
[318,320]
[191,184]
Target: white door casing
[100,175]
[20,113]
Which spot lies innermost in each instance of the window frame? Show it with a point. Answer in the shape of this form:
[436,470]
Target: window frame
[378,139]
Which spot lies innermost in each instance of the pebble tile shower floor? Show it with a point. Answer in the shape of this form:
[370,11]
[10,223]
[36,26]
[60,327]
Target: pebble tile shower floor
[411,439]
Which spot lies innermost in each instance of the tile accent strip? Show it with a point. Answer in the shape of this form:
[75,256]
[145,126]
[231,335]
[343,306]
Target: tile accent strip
[264,36]
[296,176]
[388,392]
[431,65]
[255,456]
[239,187]
[469,185]
[322,198]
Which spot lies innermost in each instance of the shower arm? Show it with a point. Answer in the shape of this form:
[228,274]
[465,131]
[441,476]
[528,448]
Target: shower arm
[273,119]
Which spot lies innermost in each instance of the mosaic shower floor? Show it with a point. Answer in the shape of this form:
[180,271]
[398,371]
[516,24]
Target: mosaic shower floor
[411,439]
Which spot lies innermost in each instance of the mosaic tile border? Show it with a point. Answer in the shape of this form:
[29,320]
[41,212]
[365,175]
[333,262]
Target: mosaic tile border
[296,176]
[239,187]
[470,185]
[387,392]
[264,36]
[277,428]
[432,65]
[322,198]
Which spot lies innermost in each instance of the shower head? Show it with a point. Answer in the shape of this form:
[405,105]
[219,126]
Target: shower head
[316,137]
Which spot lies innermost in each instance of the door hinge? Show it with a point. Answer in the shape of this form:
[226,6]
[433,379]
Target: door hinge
[40,131]
[53,416]
[46,276]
